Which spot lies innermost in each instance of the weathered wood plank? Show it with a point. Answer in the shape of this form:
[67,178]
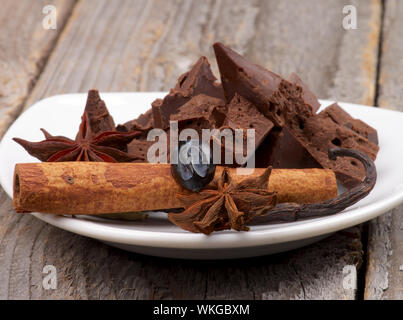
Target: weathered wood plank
[308,38]
[24,47]
[145,45]
[384,279]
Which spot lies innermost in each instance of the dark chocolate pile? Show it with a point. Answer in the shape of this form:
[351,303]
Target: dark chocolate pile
[289,131]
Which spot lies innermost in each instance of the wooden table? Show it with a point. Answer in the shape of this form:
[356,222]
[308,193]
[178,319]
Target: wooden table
[143,45]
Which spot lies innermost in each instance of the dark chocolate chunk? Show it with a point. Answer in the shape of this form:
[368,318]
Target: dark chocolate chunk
[199,80]
[289,133]
[145,119]
[196,123]
[156,107]
[342,118]
[307,94]
[143,122]
[321,133]
[276,98]
[281,149]
[290,108]
[241,114]
[251,81]
[200,112]
[213,109]
[244,115]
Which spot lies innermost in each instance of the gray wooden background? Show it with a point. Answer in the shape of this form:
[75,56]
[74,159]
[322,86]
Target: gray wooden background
[143,45]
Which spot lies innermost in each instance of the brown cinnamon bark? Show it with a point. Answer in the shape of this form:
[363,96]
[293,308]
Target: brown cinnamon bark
[99,187]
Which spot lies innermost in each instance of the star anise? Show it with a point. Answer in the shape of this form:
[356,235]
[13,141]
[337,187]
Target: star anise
[97,139]
[227,205]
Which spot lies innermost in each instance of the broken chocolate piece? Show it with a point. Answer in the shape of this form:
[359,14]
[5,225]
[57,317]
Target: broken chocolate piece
[308,96]
[321,133]
[199,80]
[200,112]
[342,118]
[143,122]
[288,132]
[244,115]
[145,119]
[281,149]
[196,123]
[276,98]
[213,109]
[289,106]
[156,109]
[251,81]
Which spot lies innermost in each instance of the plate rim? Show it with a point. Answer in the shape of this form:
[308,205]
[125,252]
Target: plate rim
[284,232]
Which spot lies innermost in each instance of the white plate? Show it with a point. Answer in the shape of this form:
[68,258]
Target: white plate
[61,115]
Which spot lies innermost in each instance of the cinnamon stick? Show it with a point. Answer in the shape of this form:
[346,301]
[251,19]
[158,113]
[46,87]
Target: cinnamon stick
[98,187]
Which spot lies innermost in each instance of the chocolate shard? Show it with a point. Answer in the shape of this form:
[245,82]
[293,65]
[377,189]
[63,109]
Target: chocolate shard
[307,94]
[200,112]
[244,115]
[196,123]
[145,119]
[241,114]
[275,97]
[281,149]
[213,109]
[251,81]
[342,118]
[321,133]
[162,114]
[98,115]
[142,122]
[199,80]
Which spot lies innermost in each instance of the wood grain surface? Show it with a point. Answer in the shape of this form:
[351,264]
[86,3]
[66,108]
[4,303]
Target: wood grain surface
[24,48]
[144,46]
[385,252]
